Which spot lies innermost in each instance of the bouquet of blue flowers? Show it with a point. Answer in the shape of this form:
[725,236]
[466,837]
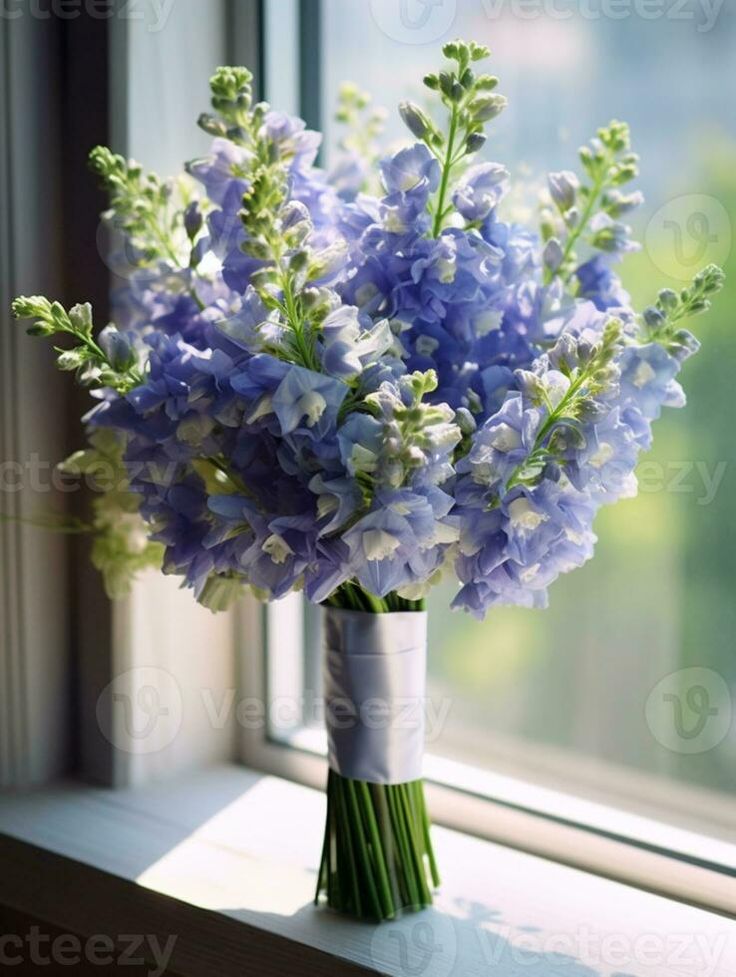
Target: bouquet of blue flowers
[351,383]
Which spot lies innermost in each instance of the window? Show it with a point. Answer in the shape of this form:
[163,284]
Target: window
[613,708]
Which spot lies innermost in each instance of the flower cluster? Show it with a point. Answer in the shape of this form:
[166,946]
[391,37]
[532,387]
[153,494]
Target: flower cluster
[352,381]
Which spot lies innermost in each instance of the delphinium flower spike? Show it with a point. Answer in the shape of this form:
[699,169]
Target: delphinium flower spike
[470,101]
[588,211]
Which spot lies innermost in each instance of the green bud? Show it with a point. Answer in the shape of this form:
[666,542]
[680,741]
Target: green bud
[623,174]
[457,92]
[72,359]
[667,300]
[26,307]
[40,329]
[299,261]
[80,317]
[465,421]
[475,404]
[486,83]
[467,78]
[478,51]
[711,279]
[220,592]
[474,142]
[446,80]
[487,107]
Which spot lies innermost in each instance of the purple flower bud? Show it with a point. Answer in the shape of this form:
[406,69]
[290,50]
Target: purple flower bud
[475,141]
[552,255]
[563,188]
[192,220]
[118,348]
[414,119]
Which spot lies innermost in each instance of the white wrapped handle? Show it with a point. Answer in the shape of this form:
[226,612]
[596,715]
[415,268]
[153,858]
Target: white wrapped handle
[375,679]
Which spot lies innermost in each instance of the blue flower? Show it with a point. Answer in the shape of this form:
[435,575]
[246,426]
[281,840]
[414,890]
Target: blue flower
[600,285]
[402,541]
[467,405]
[292,138]
[251,327]
[413,170]
[307,403]
[222,172]
[648,379]
[351,342]
[360,439]
[563,188]
[480,190]
[529,489]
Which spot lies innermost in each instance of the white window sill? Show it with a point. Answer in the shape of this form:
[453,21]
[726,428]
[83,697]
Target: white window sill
[244,847]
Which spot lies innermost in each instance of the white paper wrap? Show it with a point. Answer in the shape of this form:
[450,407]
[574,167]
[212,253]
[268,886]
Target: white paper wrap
[375,671]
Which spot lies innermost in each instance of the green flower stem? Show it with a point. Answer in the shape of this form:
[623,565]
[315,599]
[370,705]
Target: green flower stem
[410,886]
[421,889]
[368,855]
[384,886]
[588,380]
[555,415]
[350,596]
[377,857]
[351,864]
[420,808]
[446,168]
[574,235]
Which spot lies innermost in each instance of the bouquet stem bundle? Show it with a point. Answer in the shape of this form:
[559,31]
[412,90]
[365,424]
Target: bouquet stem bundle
[377,857]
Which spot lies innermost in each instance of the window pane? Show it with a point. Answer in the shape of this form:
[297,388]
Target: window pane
[625,685]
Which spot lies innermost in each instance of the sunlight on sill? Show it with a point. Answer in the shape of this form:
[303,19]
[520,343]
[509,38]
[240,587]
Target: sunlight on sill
[273,816]
[246,845]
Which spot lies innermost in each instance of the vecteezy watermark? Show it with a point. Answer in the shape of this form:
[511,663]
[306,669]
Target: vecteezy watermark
[141,711]
[38,475]
[702,13]
[695,954]
[687,233]
[414,21]
[284,713]
[424,21]
[690,711]
[67,950]
[412,947]
[155,13]
[700,479]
